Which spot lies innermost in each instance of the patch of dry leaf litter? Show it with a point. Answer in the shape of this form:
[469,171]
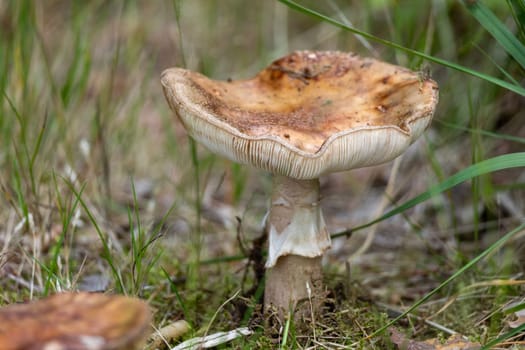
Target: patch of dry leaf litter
[455,342]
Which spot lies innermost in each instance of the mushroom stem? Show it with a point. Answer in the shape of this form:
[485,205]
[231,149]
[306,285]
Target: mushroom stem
[297,239]
[294,284]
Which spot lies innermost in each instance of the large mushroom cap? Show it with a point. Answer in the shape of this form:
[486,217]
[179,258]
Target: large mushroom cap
[80,321]
[307,114]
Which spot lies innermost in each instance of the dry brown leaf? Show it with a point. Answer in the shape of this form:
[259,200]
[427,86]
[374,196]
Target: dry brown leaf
[455,342]
[75,321]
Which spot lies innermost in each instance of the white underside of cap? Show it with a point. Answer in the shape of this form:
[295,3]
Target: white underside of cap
[306,235]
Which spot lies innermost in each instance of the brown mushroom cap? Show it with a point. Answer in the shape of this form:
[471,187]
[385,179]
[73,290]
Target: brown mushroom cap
[75,321]
[307,114]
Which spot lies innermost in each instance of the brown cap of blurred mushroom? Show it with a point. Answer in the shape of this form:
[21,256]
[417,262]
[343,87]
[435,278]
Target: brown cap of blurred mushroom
[307,114]
[80,321]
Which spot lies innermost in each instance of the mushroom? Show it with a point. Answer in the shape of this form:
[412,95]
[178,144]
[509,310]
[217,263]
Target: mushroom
[308,114]
[80,321]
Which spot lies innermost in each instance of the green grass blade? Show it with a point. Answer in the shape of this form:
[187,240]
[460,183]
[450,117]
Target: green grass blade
[518,12]
[141,241]
[223,259]
[286,331]
[66,215]
[495,135]
[177,9]
[78,71]
[498,30]
[466,267]
[516,308]
[512,87]
[178,297]
[499,67]
[106,255]
[17,180]
[507,161]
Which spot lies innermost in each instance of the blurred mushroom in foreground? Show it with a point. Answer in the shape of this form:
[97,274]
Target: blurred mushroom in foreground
[79,321]
[307,114]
